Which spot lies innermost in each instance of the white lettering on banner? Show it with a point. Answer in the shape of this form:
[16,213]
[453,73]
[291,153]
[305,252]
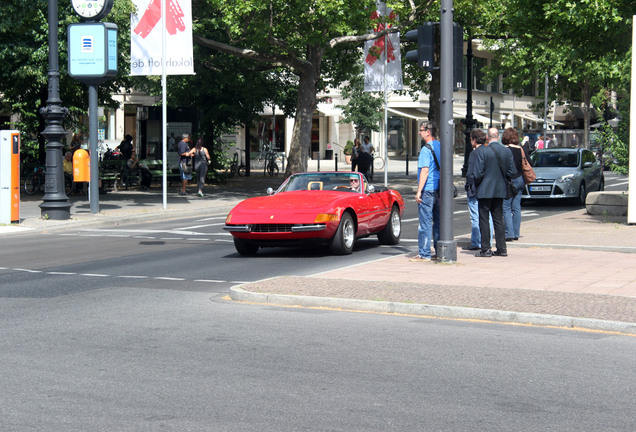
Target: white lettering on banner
[146,38]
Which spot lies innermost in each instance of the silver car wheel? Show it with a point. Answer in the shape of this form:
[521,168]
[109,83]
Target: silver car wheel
[348,233]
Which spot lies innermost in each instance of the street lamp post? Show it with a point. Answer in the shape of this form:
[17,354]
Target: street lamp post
[55,203]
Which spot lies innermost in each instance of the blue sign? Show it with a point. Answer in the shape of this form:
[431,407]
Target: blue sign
[92,51]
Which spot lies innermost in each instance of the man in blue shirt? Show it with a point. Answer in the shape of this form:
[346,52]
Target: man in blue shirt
[427,196]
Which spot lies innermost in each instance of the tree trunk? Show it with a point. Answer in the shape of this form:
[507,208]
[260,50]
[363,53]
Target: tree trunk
[305,104]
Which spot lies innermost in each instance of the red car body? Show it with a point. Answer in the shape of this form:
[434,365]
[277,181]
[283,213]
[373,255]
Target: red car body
[317,207]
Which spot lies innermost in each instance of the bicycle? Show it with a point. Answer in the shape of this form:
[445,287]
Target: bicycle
[240,166]
[271,164]
[378,162]
[34,181]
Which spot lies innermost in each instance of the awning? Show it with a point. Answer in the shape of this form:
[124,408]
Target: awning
[480,118]
[330,110]
[412,113]
[536,119]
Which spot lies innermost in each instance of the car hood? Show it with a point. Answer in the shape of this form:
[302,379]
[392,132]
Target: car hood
[554,172]
[290,207]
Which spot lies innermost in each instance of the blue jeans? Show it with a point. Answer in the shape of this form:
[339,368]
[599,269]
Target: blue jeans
[428,229]
[473,210]
[512,210]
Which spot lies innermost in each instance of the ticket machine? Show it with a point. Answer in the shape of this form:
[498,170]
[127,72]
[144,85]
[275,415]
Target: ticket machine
[9,176]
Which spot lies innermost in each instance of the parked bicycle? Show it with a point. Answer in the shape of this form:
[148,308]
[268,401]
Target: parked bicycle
[35,181]
[271,164]
[237,166]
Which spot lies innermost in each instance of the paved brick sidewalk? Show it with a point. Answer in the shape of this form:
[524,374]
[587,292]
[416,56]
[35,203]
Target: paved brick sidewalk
[564,265]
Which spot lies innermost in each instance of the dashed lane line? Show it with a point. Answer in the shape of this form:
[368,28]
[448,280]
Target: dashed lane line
[137,277]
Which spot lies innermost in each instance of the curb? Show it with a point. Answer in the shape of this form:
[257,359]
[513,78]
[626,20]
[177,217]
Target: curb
[425,310]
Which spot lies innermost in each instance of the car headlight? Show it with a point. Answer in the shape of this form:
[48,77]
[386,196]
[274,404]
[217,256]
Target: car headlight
[566,178]
[228,219]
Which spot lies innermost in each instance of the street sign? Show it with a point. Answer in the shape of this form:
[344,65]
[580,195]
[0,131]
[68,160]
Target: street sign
[92,51]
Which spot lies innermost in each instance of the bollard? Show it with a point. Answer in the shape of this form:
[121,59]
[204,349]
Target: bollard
[336,163]
[407,164]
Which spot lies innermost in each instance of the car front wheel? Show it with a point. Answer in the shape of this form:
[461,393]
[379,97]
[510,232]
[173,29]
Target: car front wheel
[582,194]
[390,235]
[245,247]
[342,241]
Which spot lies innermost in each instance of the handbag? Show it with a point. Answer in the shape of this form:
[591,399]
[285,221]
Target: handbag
[511,190]
[186,165]
[527,171]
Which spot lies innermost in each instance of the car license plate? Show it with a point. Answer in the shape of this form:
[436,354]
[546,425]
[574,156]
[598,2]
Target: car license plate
[540,188]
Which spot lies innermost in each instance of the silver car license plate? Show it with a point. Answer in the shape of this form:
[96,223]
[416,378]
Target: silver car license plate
[540,188]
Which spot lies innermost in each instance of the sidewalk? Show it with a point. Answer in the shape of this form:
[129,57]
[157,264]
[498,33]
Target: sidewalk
[568,270]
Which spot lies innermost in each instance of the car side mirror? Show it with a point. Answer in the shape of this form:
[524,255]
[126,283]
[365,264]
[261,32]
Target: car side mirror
[587,164]
[371,188]
[270,191]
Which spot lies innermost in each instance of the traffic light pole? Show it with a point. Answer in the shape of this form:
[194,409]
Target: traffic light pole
[446,246]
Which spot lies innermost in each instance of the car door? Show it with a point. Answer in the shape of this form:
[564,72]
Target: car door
[379,204]
[591,173]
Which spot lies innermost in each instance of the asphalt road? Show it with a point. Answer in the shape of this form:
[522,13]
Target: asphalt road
[129,328]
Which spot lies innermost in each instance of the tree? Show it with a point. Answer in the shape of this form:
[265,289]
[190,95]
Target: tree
[24,64]
[363,109]
[312,40]
[580,45]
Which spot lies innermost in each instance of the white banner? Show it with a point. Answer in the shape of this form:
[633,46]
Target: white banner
[146,34]
[375,56]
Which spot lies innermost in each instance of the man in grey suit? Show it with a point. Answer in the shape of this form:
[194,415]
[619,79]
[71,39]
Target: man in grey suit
[487,175]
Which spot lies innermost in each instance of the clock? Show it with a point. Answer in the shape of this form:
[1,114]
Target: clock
[92,10]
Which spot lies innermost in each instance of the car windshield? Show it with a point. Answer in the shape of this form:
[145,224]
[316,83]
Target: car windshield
[555,159]
[348,182]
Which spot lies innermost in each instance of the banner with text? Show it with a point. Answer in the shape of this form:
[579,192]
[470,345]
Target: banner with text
[145,38]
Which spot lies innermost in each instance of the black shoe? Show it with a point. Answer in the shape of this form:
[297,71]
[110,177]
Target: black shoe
[509,239]
[484,254]
[471,248]
[500,253]
[516,238]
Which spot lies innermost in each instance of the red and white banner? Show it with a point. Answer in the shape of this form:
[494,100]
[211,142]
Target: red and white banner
[376,55]
[146,38]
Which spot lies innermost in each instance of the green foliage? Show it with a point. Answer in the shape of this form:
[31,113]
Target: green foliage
[24,59]
[364,109]
[348,148]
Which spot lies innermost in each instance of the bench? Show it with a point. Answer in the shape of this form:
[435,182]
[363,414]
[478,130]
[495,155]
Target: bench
[155,166]
[110,172]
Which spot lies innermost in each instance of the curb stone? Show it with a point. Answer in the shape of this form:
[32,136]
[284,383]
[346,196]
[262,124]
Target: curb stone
[453,312]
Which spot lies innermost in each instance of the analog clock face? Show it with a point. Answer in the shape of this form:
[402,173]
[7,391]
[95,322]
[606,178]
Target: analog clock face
[92,9]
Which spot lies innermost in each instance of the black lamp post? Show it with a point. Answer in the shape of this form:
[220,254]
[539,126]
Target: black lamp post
[55,203]
[469,122]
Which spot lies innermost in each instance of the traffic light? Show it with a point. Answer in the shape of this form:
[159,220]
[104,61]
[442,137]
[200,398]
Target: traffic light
[424,55]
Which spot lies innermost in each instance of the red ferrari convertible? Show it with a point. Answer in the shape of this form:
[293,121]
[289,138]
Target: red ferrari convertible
[319,207]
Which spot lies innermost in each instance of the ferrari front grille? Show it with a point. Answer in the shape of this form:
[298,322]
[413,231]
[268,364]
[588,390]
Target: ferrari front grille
[271,228]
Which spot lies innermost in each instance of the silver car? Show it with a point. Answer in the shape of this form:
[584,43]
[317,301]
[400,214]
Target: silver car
[564,173]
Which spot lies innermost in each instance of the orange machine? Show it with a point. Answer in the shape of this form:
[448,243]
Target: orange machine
[9,176]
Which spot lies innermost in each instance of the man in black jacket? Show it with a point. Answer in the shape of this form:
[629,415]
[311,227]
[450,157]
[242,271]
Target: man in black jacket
[493,163]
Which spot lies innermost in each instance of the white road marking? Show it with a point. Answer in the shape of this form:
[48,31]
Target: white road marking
[202,226]
[163,278]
